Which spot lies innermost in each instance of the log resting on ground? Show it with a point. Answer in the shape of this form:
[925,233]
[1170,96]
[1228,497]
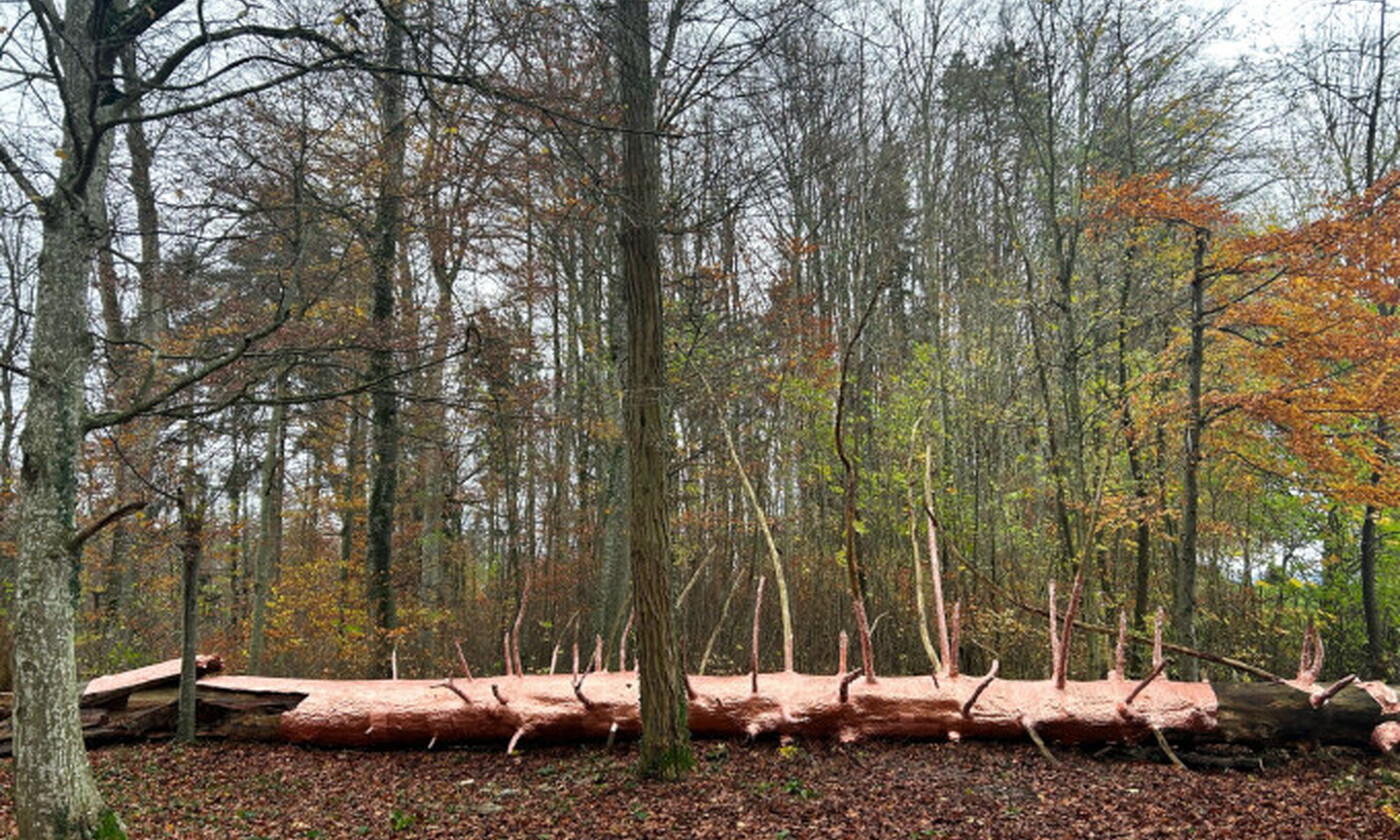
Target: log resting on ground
[597,706]
[385,713]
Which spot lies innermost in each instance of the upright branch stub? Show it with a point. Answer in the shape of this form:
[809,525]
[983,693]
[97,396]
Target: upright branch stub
[1157,621]
[462,660]
[515,630]
[753,649]
[951,663]
[1120,650]
[598,664]
[1062,660]
[578,691]
[506,655]
[1156,672]
[1310,658]
[843,644]
[851,486]
[936,570]
[1054,632]
[622,643]
[981,687]
[846,680]
[1318,700]
[867,651]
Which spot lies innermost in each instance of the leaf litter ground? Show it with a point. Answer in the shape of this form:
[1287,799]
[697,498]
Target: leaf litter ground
[740,790]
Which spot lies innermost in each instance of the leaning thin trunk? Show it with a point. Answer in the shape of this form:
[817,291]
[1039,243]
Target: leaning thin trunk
[779,578]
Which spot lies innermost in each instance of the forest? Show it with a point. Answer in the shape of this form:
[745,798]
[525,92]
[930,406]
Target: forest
[331,341]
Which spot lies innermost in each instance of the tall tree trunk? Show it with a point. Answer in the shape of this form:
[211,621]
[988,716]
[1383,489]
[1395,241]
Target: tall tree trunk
[191,504]
[384,463]
[1370,548]
[1370,536]
[54,792]
[665,745]
[435,467]
[269,546]
[350,490]
[1142,529]
[1184,589]
[55,796]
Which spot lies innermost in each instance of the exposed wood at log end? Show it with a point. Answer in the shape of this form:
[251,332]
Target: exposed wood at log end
[1271,714]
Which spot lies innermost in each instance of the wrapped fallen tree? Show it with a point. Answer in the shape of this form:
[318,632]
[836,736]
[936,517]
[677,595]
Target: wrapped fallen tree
[552,708]
[596,705]
[593,704]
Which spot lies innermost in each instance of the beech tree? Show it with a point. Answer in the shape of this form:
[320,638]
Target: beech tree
[79,49]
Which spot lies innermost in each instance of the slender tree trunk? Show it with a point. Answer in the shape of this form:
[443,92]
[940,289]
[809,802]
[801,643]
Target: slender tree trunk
[269,547]
[435,467]
[1142,527]
[384,463]
[1184,591]
[191,503]
[665,745]
[1370,603]
[350,493]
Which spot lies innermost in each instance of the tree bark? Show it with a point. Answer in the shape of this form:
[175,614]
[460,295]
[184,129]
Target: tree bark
[191,503]
[1184,589]
[55,796]
[665,745]
[1370,602]
[269,548]
[384,463]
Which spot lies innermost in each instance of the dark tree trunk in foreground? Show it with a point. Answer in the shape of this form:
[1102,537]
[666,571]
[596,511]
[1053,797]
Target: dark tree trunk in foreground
[384,463]
[665,747]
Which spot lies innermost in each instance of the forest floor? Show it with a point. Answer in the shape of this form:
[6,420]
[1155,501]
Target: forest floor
[740,790]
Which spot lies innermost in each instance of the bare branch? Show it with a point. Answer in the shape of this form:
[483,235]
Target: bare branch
[90,531]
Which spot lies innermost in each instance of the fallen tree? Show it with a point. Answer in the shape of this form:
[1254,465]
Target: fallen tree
[552,708]
[593,704]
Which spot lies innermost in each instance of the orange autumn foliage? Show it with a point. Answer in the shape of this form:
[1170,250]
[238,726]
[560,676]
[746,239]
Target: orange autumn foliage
[1152,199]
[1322,345]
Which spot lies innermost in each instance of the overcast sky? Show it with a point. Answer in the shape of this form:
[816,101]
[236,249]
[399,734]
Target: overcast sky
[1261,25]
